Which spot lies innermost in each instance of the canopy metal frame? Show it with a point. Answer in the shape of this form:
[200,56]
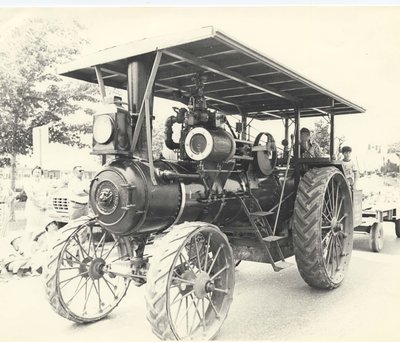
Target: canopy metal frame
[239,81]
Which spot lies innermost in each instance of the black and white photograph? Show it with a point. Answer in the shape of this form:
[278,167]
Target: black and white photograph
[200,172]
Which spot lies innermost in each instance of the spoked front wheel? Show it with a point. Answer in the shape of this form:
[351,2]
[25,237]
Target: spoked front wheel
[78,285]
[190,283]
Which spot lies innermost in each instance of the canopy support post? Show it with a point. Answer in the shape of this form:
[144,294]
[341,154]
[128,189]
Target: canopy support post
[332,137]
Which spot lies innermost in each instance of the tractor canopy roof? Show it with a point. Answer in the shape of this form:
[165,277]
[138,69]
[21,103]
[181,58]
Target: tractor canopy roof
[239,80]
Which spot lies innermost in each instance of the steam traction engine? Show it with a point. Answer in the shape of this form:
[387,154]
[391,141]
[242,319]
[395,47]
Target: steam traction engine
[180,227]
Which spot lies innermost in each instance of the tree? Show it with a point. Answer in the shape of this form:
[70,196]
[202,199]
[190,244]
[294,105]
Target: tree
[322,136]
[158,138]
[31,94]
[394,148]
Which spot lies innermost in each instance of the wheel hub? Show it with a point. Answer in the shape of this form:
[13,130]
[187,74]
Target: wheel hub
[84,267]
[203,285]
[96,268]
[336,227]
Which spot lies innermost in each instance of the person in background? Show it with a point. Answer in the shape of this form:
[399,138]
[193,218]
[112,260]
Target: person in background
[308,149]
[349,167]
[78,191]
[35,208]
[6,198]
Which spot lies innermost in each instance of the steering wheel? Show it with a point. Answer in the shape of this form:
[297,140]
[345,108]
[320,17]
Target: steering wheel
[264,154]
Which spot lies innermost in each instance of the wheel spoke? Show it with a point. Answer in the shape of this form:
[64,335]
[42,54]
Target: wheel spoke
[329,211]
[215,259]
[331,197]
[80,247]
[328,253]
[207,251]
[77,291]
[204,314]
[190,249]
[103,245]
[90,242]
[221,290]
[334,258]
[183,297]
[183,280]
[101,242]
[74,257]
[326,237]
[219,272]
[186,261]
[119,258]
[177,295]
[196,311]
[326,217]
[71,261]
[113,246]
[179,307]
[341,219]
[108,285]
[336,200]
[87,298]
[198,255]
[213,306]
[340,206]
[188,306]
[340,245]
[94,246]
[98,293]
[66,283]
[76,276]
[69,268]
[337,255]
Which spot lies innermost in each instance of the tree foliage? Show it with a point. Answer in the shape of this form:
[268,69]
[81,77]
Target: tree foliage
[158,138]
[322,135]
[394,148]
[31,94]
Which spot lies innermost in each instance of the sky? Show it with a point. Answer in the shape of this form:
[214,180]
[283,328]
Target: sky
[352,51]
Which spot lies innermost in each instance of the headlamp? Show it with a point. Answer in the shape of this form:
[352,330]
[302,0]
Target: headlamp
[102,129]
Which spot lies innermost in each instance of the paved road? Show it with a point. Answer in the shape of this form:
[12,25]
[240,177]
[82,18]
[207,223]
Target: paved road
[266,306]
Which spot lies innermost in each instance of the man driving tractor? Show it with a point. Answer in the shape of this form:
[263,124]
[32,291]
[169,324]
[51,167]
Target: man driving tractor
[308,148]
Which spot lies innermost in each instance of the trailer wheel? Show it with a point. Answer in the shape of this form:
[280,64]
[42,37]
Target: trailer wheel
[376,237]
[323,227]
[190,282]
[77,286]
[397,227]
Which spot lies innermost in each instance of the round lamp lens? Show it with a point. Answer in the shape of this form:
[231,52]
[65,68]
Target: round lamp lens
[102,129]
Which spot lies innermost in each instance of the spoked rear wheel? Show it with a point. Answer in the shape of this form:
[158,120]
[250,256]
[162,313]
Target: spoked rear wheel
[323,227]
[77,284]
[190,283]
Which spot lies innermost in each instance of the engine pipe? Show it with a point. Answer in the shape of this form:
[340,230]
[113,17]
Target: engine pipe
[169,142]
[167,174]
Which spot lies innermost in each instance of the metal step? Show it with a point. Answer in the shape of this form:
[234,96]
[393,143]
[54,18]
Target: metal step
[269,240]
[281,265]
[261,213]
[273,238]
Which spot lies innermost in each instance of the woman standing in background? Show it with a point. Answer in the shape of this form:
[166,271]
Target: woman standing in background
[36,205]
[6,197]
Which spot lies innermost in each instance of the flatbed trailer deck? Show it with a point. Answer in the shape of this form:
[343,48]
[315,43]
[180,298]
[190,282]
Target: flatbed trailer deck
[372,218]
